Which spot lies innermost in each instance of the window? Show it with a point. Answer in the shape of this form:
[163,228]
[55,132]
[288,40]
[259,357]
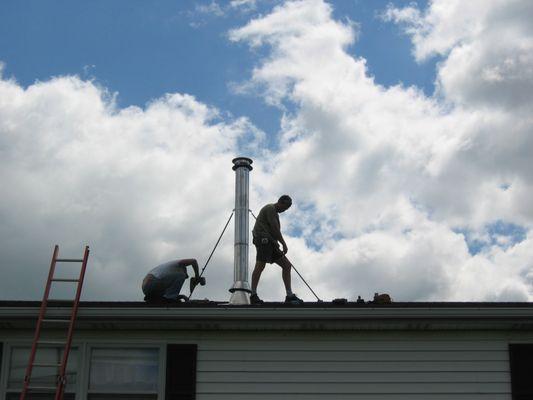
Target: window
[521,359]
[41,376]
[181,372]
[105,371]
[123,373]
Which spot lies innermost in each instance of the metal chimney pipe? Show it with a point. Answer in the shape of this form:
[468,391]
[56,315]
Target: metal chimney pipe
[240,292]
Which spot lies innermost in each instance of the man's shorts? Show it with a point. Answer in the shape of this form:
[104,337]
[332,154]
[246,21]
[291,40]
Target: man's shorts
[168,287]
[267,250]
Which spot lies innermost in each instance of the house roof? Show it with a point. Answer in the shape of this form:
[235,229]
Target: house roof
[211,315]
[224,304]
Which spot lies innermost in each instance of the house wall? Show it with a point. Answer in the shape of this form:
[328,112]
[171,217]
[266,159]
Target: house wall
[370,365]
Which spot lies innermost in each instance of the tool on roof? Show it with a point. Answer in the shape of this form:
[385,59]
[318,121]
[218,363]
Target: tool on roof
[382,298]
[340,300]
[28,388]
[295,270]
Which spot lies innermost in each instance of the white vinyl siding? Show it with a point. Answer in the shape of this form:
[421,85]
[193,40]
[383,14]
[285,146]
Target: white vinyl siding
[319,364]
[392,366]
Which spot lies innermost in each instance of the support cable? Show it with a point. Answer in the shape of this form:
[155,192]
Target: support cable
[212,252]
[293,267]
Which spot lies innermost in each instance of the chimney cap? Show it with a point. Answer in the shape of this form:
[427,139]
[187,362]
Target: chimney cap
[242,162]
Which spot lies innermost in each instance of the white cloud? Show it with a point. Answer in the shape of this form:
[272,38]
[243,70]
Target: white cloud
[210,8]
[141,186]
[384,178]
[244,5]
[488,48]
[443,26]
[392,171]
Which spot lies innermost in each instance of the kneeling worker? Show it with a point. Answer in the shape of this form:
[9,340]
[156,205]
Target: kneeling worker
[164,282]
[266,235]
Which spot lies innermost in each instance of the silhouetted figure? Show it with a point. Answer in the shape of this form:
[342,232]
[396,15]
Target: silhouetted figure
[266,236]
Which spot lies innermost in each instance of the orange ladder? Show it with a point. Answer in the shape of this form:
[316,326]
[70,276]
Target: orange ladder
[61,377]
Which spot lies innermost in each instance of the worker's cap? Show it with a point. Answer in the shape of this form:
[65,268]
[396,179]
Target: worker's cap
[285,199]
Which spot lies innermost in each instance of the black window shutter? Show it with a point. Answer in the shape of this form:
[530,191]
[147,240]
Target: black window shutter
[181,372]
[521,359]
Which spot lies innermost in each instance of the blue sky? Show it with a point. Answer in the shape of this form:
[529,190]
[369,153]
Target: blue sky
[410,177]
[142,50]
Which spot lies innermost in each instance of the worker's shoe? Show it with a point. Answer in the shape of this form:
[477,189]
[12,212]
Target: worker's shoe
[293,299]
[254,299]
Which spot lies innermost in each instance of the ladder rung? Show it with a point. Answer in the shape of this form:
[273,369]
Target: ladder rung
[65,280]
[37,364]
[53,342]
[41,388]
[68,260]
[60,321]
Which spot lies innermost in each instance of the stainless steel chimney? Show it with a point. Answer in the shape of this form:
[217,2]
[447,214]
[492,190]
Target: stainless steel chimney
[240,292]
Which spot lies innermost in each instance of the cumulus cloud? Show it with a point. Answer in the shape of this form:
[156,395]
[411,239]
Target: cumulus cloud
[141,186]
[393,179]
[391,187]
[488,49]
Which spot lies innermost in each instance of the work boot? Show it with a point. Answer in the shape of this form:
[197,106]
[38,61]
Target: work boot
[293,299]
[254,299]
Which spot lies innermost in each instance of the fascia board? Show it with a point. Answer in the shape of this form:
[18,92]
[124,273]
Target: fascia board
[231,317]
